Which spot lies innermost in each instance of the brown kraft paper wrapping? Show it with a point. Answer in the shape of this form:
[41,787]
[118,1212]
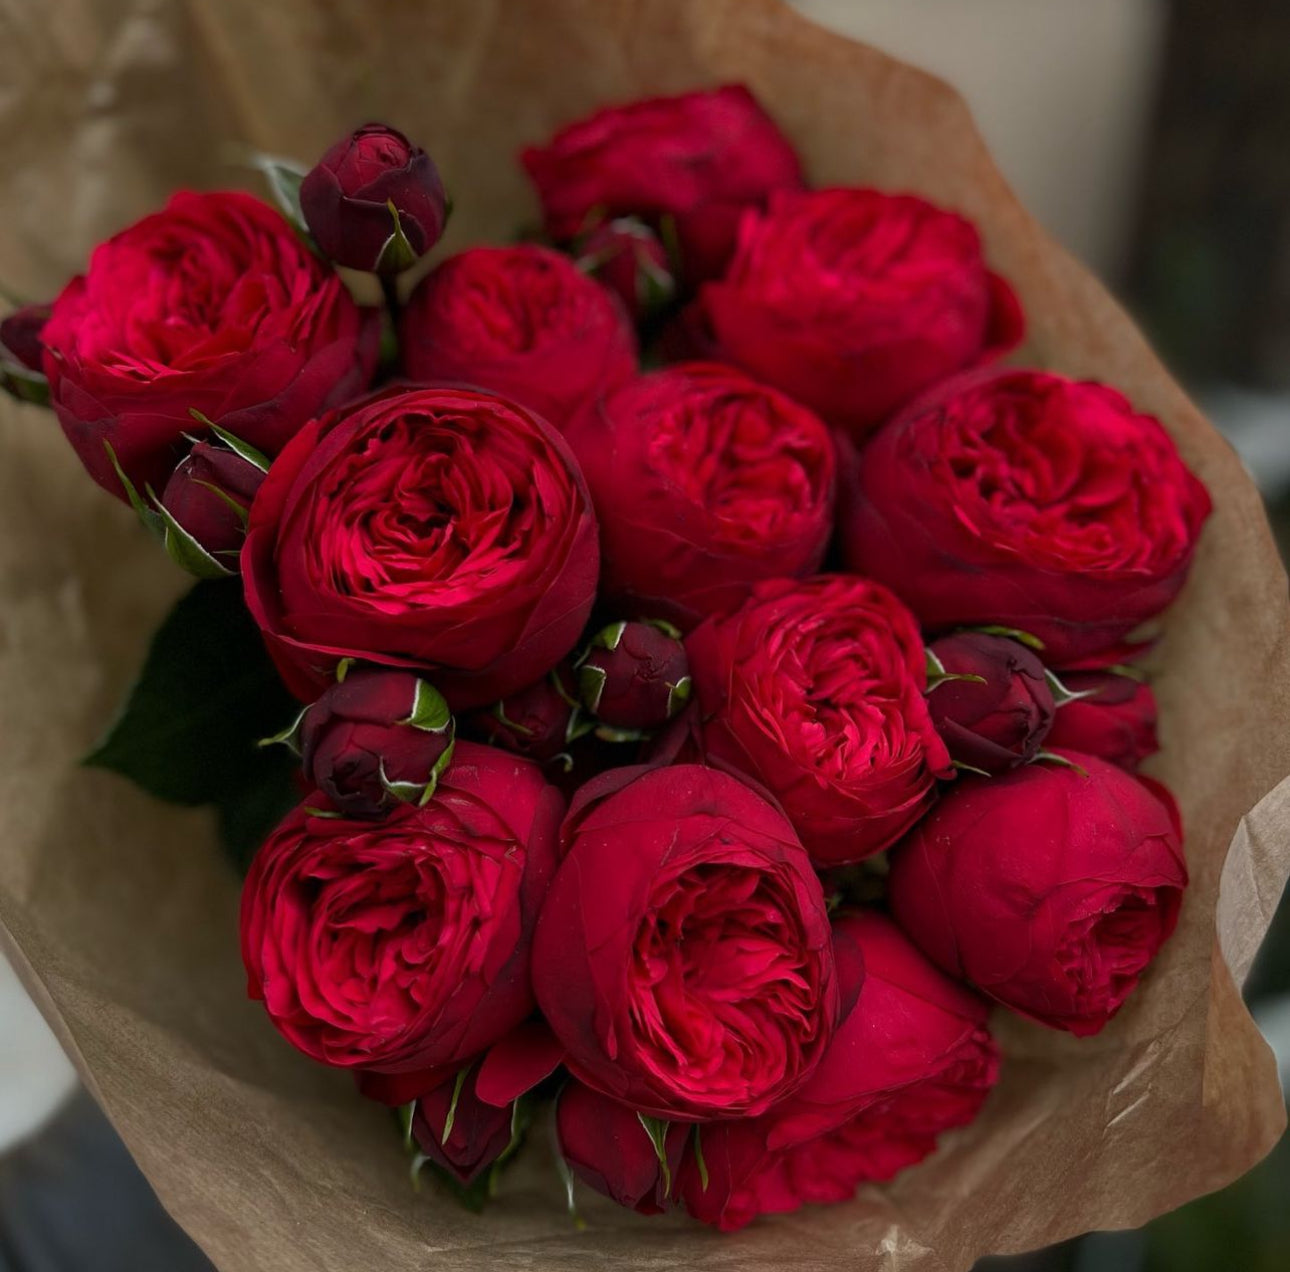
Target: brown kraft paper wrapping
[120,913]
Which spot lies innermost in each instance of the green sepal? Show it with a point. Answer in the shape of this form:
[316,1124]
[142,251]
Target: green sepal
[152,522]
[662,625]
[23,383]
[404,1115]
[969,768]
[607,733]
[499,711]
[1051,757]
[342,669]
[566,1175]
[256,458]
[396,254]
[579,725]
[937,675]
[678,695]
[241,511]
[430,712]
[288,737]
[451,1116]
[591,685]
[1062,695]
[656,1128]
[608,637]
[183,549]
[419,793]
[1129,672]
[1012,633]
[327,814]
[698,1159]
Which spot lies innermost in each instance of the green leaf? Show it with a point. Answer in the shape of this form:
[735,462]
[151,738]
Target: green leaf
[284,177]
[207,693]
[397,254]
[248,814]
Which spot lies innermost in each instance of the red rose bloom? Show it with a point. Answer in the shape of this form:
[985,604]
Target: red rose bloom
[524,322]
[698,159]
[705,483]
[607,1146]
[346,199]
[404,945]
[1048,888]
[816,690]
[1117,721]
[436,528]
[854,301]
[1027,500]
[683,955]
[911,1060]
[212,305]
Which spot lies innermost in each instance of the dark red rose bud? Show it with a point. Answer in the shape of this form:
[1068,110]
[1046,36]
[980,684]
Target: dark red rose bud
[628,258]
[456,1130]
[20,336]
[635,675]
[374,201]
[375,738]
[989,700]
[1112,716]
[538,721]
[209,494]
[612,1149]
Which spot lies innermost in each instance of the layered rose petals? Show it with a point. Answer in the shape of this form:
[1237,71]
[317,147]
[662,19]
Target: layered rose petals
[404,946]
[213,305]
[705,483]
[815,689]
[1028,500]
[683,956]
[443,529]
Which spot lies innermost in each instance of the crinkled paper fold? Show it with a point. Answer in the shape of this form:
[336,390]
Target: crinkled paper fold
[121,914]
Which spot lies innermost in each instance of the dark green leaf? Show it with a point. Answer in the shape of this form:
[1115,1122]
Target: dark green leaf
[206,696]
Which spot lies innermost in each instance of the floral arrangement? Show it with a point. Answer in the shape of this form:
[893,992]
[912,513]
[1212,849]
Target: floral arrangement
[716,679]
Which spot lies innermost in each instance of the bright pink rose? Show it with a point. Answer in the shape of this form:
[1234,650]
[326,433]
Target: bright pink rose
[212,305]
[815,689]
[1050,888]
[683,956]
[1027,500]
[696,160]
[434,528]
[854,301]
[705,482]
[524,322]
[404,945]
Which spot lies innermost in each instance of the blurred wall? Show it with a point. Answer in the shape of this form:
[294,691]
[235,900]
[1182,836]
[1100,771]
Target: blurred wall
[1062,89]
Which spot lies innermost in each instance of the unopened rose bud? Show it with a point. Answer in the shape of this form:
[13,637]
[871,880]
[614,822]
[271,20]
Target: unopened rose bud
[20,336]
[1109,715]
[374,201]
[627,257]
[457,1131]
[990,700]
[539,721]
[374,738]
[209,494]
[635,675]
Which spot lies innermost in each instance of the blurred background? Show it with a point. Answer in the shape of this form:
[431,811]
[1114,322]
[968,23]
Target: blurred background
[1152,138]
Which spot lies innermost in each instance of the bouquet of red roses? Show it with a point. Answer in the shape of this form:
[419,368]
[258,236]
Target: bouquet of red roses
[701,743]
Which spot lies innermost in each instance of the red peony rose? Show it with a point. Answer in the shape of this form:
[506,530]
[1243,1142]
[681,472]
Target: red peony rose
[350,197]
[1049,888]
[1028,500]
[993,706]
[404,945]
[815,689]
[524,322]
[912,1059]
[213,305]
[854,301]
[436,528]
[705,483]
[683,955]
[696,160]
[1116,721]
[608,1147]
